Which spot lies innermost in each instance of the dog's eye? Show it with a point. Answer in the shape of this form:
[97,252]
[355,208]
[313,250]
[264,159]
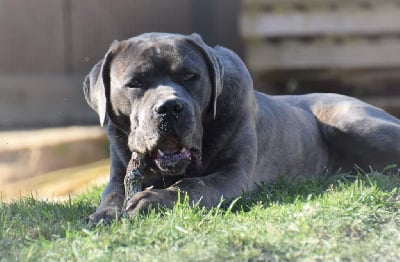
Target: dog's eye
[190,77]
[134,83]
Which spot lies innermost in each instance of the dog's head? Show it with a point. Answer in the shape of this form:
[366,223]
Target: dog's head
[158,89]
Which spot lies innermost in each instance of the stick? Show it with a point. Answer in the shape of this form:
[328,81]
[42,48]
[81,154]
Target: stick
[134,175]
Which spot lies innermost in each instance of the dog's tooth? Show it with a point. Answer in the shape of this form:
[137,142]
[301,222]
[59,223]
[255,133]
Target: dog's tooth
[160,152]
[185,152]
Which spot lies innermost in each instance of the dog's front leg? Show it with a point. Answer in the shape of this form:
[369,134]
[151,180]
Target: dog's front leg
[113,196]
[208,191]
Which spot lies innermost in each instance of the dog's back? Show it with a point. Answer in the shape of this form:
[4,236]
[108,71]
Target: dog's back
[356,133]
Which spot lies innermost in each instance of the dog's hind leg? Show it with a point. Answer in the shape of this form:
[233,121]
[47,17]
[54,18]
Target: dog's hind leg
[361,134]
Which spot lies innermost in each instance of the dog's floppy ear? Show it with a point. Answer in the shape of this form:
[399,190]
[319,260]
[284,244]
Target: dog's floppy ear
[215,67]
[96,85]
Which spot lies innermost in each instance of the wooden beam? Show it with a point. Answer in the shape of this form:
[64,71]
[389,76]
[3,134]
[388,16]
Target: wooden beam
[372,22]
[384,102]
[312,2]
[295,55]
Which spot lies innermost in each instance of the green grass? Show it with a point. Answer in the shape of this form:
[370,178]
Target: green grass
[344,217]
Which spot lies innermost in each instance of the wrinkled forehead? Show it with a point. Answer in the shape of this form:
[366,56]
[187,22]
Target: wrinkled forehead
[159,54]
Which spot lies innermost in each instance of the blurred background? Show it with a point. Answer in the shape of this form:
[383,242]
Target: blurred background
[49,144]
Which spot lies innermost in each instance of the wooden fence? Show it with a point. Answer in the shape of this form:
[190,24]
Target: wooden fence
[349,46]
[47,46]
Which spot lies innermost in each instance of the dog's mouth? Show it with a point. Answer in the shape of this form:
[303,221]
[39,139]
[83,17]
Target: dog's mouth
[170,157]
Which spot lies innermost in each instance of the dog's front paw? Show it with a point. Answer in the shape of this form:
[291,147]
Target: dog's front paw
[104,215]
[109,209]
[142,201]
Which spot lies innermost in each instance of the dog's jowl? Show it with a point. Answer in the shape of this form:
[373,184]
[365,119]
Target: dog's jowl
[190,112]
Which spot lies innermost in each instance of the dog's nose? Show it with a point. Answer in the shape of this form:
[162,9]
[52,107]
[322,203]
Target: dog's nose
[171,107]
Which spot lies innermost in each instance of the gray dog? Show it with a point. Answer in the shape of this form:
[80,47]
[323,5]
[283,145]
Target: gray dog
[191,111]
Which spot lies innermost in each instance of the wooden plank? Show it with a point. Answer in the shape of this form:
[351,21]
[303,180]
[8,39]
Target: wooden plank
[372,22]
[53,185]
[96,23]
[31,101]
[312,2]
[384,102]
[295,55]
[32,38]
[389,104]
[222,25]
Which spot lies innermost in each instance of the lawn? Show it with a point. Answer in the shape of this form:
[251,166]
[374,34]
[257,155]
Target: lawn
[350,218]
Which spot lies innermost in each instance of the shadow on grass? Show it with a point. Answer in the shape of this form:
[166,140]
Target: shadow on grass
[28,218]
[286,192]
[31,217]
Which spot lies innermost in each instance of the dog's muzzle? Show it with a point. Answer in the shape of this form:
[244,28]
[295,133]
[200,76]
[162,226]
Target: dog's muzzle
[170,149]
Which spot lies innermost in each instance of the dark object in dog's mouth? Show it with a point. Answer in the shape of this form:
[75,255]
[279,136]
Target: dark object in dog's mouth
[134,175]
